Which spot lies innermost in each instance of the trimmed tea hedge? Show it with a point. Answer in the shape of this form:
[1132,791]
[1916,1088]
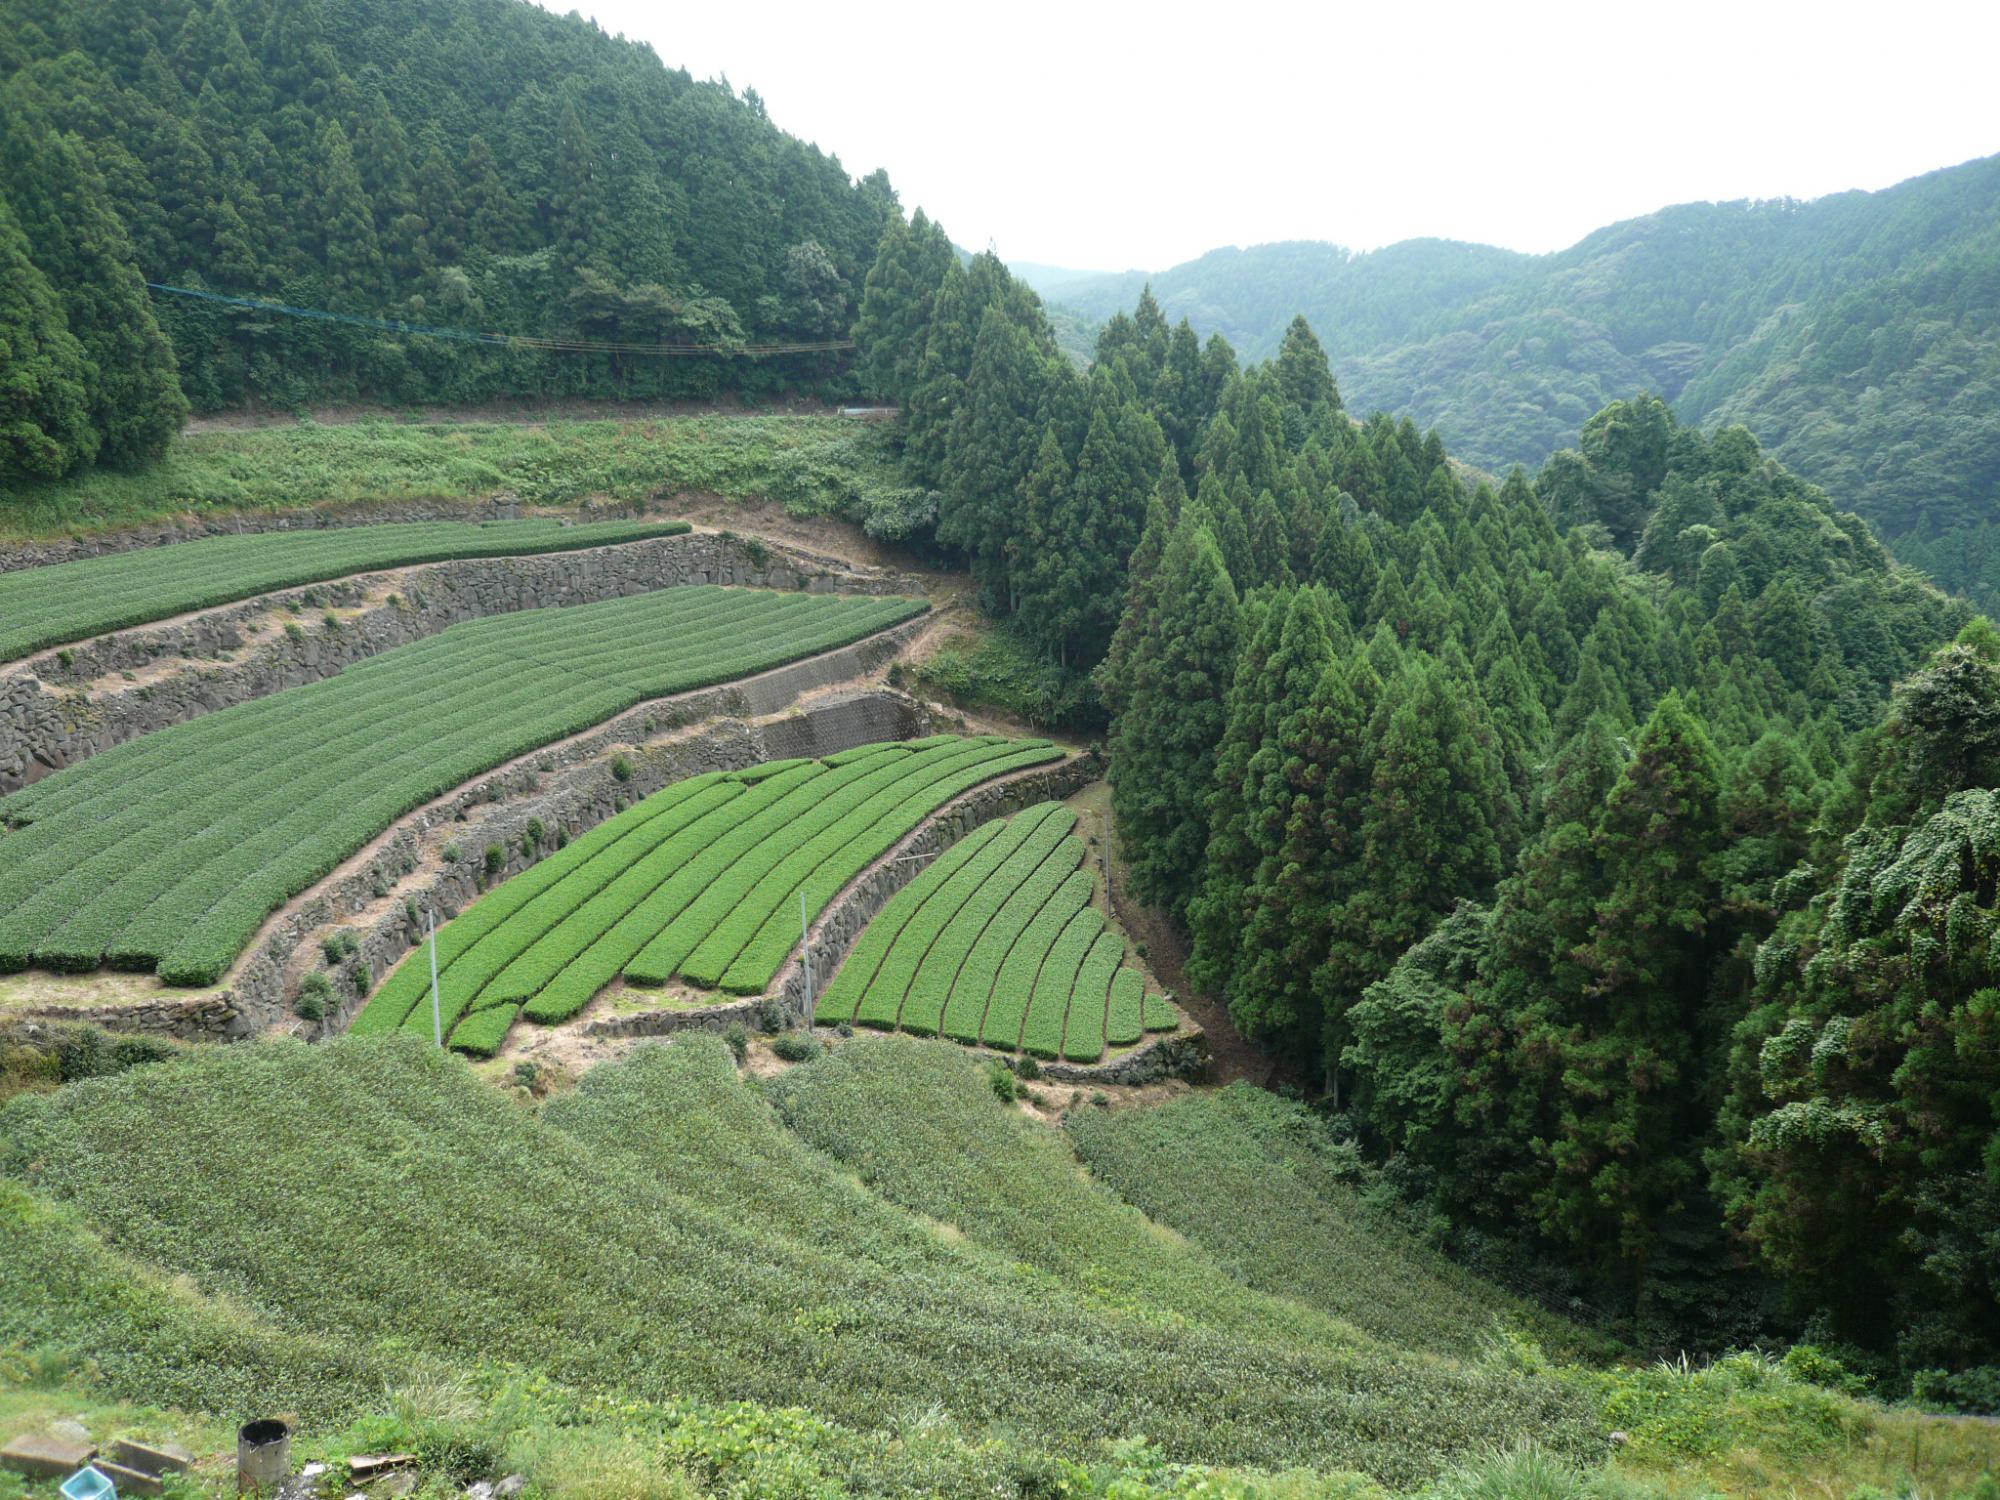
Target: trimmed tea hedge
[702,881]
[52,606]
[998,942]
[169,851]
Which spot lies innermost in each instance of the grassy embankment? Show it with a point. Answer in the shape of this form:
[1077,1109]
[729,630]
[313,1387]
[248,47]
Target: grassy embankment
[813,464]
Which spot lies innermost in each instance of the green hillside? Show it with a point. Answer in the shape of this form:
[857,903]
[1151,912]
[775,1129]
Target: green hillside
[476,165]
[659,1233]
[1854,335]
[890,1284]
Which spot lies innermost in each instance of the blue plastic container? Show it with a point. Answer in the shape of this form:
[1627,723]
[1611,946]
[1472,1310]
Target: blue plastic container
[89,1483]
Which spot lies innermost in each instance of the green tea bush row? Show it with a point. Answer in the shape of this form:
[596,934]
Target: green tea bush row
[1083,1034]
[865,958]
[473,928]
[1049,854]
[821,880]
[169,851]
[1007,1010]
[592,955]
[709,865]
[1000,945]
[482,1032]
[917,983]
[944,920]
[43,607]
[743,862]
[1055,985]
[1125,1023]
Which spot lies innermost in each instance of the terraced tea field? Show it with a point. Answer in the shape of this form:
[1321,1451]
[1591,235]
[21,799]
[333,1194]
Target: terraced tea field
[702,881]
[169,851]
[997,942]
[52,606]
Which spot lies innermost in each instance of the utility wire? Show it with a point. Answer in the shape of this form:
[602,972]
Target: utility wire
[503,340]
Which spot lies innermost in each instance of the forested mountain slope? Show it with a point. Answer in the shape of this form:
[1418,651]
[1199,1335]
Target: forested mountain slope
[1855,335]
[1535,825]
[474,164]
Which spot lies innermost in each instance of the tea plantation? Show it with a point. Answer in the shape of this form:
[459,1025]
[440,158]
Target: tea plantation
[50,606]
[703,881]
[660,1234]
[168,852]
[997,942]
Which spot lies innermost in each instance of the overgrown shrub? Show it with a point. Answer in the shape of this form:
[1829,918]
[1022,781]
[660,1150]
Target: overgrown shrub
[315,997]
[621,768]
[1006,1087]
[794,1046]
[738,1038]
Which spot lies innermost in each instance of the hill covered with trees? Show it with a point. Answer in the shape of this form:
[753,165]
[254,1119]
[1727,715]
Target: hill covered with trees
[1853,335]
[474,164]
[1604,848]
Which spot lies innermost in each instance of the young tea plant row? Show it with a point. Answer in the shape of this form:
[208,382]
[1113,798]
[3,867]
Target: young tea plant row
[52,606]
[703,881]
[997,942]
[169,851]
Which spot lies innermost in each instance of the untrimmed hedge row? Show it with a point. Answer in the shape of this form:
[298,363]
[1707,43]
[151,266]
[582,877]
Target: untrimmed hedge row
[998,942]
[169,851]
[52,606]
[696,881]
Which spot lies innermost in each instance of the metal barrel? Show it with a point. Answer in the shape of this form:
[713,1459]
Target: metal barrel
[263,1456]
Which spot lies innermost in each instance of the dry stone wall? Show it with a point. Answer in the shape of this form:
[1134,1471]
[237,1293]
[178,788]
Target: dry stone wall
[199,1018]
[381,897]
[64,706]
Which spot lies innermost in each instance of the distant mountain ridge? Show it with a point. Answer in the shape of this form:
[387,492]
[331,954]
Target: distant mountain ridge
[1857,335]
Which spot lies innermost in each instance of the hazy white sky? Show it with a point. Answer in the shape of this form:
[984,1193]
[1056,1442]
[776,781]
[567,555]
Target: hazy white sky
[1108,136]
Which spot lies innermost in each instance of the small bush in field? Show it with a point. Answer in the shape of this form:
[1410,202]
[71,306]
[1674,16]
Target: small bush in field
[794,1046]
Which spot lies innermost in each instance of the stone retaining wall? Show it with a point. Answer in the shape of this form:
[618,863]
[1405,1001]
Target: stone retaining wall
[570,789]
[1175,1054]
[49,719]
[202,1018]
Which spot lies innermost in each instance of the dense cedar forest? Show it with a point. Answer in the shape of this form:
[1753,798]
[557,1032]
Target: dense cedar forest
[1611,850]
[1855,335]
[332,156]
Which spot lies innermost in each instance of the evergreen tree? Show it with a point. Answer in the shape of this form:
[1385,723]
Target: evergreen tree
[1430,836]
[45,426]
[1303,373]
[76,242]
[1163,744]
[896,303]
[1621,1156]
[348,248]
[993,444]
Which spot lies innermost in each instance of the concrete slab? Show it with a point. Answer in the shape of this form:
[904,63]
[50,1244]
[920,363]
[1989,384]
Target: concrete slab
[152,1458]
[41,1456]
